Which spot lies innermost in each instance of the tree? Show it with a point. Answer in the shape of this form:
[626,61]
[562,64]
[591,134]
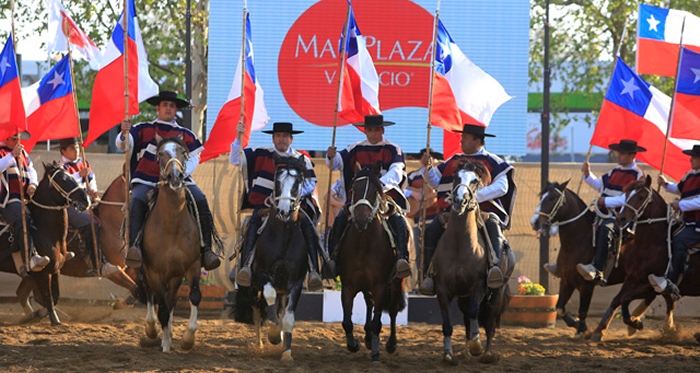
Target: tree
[163,30]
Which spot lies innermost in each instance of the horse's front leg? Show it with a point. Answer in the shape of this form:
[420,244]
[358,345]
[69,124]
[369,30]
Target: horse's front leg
[566,289]
[377,294]
[470,309]
[24,289]
[607,317]
[346,297]
[638,312]
[287,322]
[585,297]
[640,292]
[45,288]
[165,316]
[669,325]
[195,297]
[444,302]
[369,308]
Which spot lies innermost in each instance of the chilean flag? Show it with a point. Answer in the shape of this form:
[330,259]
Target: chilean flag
[255,114]
[50,106]
[359,94]
[634,110]
[84,46]
[462,92]
[685,123]
[659,36]
[107,106]
[12,115]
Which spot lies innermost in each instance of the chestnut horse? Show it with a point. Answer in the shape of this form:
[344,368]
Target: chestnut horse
[280,259]
[460,264]
[56,191]
[646,209]
[562,207]
[367,262]
[109,211]
[171,246]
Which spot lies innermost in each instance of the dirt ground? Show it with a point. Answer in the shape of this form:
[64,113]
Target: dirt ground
[96,338]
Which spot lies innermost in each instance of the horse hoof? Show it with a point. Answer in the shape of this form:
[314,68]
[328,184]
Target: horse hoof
[187,340]
[391,345]
[368,341]
[631,330]
[449,359]
[274,334]
[287,355]
[488,358]
[375,359]
[596,337]
[697,337]
[151,331]
[475,348]
[354,347]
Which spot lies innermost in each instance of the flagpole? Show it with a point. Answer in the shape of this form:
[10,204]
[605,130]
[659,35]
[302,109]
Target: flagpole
[673,101]
[617,54]
[66,31]
[423,203]
[239,180]
[335,122]
[127,150]
[18,159]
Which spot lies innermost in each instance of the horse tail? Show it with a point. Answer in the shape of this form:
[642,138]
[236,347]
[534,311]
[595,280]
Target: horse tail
[394,298]
[242,310]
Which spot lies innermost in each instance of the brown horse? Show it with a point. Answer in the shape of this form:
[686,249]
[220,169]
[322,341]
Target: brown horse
[460,264]
[56,191]
[562,207]
[109,211]
[647,210]
[171,247]
[367,260]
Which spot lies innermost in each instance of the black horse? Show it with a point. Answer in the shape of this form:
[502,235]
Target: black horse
[280,260]
[56,191]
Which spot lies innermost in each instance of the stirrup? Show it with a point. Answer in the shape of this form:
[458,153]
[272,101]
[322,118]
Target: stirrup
[314,282]
[211,260]
[403,269]
[495,279]
[244,276]
[133,257]
[427,287]
[37,263]
[108,269]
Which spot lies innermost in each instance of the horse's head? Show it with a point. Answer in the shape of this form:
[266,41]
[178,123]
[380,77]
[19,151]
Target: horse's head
[638,195]
[172,155]
[467,180]
[289,178]
[552,198]
[67,190]
[367,196]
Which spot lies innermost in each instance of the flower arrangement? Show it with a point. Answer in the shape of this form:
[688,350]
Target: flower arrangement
[204,279]
[527,287]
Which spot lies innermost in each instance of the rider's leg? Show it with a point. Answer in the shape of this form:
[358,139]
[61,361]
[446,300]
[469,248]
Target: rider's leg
[137,216]
[81,221]
[433,232]
[13,213]
[400,230]
[209,259]
[684,240]
[604,239]
[245,274]
[495,277]
[339,225]
[313,243]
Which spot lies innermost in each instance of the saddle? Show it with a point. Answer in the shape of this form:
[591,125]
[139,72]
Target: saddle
[152,196]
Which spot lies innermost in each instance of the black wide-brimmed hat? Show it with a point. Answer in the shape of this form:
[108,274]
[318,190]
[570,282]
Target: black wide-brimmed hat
[24,135]
[283,127]
[168,96]
[475,130]
[64,143]
[627,146]
[374,120]
[694,152]
[433,154]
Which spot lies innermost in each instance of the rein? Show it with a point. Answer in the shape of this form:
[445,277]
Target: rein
[60,190]
[377,207]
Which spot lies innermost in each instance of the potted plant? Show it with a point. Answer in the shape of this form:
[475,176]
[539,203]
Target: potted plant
[531,307]
[212,295]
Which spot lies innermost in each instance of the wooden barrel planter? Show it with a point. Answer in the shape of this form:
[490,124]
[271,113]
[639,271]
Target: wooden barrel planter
[212,297]
[532,311]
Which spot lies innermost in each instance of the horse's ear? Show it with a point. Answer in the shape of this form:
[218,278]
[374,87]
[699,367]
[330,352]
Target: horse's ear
[647,183]
[181,136]
[48,167]
[564,184]
[377,168]
[159,138]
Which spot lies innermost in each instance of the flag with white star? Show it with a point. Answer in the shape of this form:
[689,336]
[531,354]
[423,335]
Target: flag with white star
[635,110]
[50,106]
[685,122]
[12,116]
[659,37]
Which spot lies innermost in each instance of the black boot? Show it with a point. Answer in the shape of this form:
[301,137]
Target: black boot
[339,225]
[495,277]
[137,216]
[206,221]
[427,287]
[400,230]
[100,266]
[245,274]
[313,244]
[604,238]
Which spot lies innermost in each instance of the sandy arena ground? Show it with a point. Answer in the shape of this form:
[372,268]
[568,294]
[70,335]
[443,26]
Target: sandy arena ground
[96,338]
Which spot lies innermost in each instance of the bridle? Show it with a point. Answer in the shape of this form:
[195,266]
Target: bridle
[466,204]
[375,207]
[273,200]
[640,210]
[173,160]
[61,191]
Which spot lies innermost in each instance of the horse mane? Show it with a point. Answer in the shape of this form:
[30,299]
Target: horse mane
[175,139]
[633,185]
[371,173]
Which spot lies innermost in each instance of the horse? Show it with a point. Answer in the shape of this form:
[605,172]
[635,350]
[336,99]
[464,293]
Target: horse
[109,211]
[460,264]
[56,191]
[170,246]
[366,259]
[645,207]
[280,261]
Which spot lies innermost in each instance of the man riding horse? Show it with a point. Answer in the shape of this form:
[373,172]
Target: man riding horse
[689,205]
[258,167]
[393,177]
[610,187]
[145,172]
[80,220]
[14,178]
[497,199]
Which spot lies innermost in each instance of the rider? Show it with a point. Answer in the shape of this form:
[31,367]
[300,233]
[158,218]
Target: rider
[414,191]
[496,198]
[689,204]
[610,187]
[82,172]
[258,168]
[145,172]
[10,204]
[393,176]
